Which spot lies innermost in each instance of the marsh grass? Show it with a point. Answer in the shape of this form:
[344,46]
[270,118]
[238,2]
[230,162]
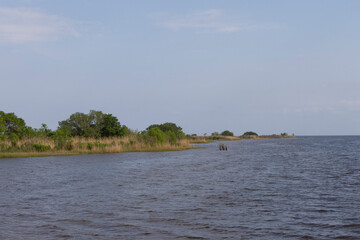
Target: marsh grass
[44,146]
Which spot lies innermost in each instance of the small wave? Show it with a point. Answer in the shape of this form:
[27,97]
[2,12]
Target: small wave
[354,225]
[75,221]
[321,210]
[35,198]
[191,237]
[307,237]
[345,237]
[50,227]
[144,234]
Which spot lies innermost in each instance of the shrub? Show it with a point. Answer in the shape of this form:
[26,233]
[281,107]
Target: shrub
[100,145]
[62,140]
[171,137]
[227,133]
[80,145]
[157,134]
[250,133]
[40,147]
[90,146]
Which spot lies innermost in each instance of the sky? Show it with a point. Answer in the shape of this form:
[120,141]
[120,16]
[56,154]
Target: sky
[206,65]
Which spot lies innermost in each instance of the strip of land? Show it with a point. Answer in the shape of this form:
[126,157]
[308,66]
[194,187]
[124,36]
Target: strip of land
[97,132]
[43,146]
[37,147]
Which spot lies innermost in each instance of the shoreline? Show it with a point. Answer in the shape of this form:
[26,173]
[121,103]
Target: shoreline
[4,155]
[124,145]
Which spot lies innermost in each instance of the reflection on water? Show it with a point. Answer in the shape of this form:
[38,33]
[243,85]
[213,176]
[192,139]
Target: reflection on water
[303,188]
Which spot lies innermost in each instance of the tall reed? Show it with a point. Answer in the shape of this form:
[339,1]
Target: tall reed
[81,145]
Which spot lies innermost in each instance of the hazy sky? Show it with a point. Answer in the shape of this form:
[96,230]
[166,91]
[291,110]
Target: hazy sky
[265,66]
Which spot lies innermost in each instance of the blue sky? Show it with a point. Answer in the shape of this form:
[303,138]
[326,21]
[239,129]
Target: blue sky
[264,66]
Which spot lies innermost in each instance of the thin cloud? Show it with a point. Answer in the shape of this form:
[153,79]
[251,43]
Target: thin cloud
[211,20]
[24,25]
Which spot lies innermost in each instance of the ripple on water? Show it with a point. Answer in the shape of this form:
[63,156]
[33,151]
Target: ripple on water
[303,188]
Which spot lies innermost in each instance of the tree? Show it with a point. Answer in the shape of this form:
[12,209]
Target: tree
[157,134]
[45,131]
[227,133]
[110,126]
[169,127]
[11,125]
[94,124]
[79,124]
[250,133]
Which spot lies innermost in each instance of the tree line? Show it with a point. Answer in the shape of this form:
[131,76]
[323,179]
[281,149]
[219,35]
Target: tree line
[94,124]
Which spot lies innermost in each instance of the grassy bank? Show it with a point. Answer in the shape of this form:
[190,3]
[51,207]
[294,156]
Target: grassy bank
[43,146]
[46,146]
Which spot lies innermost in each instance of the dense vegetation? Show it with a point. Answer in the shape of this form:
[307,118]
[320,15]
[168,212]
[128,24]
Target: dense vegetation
[227,133]
[250,134]
[85,132]
[98,132]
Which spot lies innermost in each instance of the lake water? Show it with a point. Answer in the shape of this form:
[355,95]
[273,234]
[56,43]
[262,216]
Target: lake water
[302,188]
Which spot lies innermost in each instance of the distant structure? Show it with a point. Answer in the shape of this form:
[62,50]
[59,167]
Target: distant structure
[222,147]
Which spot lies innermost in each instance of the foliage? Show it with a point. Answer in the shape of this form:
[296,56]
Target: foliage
[110,126]
[40,147]
[227,133]
[169,127]
[44,131]
[250,133]
[157,134]
[11,126]
[162,133]
[62,139]
[171,137]
[100,131]
[94,124]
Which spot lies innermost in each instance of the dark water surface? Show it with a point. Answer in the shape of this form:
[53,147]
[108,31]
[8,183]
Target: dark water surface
[303,188]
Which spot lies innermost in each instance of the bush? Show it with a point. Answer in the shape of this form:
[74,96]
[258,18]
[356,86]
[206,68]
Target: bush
[165,127]
[90,146]
[250,133]
[62,140]
[171,137]
[157,134]
[227,133]
[80,145]
[40,147]
[29,147]
[100,145]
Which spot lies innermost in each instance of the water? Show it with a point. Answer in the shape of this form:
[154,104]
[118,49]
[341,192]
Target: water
[303,188]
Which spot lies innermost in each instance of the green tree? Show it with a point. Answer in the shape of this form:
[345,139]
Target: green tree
[250,133]
[157,134]
[94,124]
[125,131]
[166,127]
[45,131]
[85,125]
[12,125]
[110,126]
[227,133]
[77,123]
